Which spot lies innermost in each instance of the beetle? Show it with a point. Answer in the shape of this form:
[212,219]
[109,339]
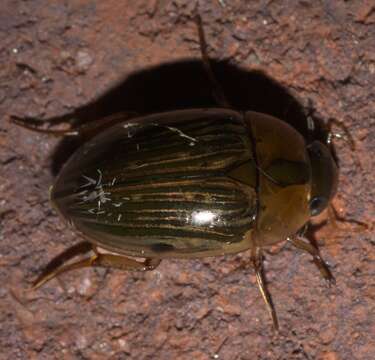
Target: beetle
[191,183]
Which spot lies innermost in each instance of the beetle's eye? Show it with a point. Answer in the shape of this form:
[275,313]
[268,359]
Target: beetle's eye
[323,176]
[317,204]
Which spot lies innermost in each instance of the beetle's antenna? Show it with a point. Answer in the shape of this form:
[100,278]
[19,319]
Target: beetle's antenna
[217,90]
[348,137]
[330,135]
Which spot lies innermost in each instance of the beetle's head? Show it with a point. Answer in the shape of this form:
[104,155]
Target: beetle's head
[324,176]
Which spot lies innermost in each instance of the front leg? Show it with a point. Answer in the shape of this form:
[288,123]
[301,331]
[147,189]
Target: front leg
[306,245]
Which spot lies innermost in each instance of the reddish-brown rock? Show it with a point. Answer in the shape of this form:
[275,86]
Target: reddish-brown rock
[60,56]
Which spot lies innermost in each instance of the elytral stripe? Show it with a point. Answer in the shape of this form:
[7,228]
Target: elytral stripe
[176,217]
[187,161]
[201,193]
[143,223]
[217,185]
[179,139]
[176,214]
[207,161]
[153,132]
[164,196]
[163,153]
[180,196]
[188,205]
[169,149]
[161,231]
[209,187]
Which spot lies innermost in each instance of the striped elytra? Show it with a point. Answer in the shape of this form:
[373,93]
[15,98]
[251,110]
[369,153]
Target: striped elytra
[187,183]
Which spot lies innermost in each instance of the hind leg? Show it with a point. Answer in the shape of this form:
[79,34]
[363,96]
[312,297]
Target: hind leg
[58,266]
[86,130]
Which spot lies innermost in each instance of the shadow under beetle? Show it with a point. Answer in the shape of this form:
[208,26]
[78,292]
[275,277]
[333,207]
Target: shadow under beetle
[188,184]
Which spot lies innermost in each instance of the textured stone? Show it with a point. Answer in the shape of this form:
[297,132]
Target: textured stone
[59,56]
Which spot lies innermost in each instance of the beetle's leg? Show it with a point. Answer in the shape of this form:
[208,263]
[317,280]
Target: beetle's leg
[218,92]
[98,260]
[86,130]
[257,260]
[306,245]
[45,277]
[52,267]
[123,263]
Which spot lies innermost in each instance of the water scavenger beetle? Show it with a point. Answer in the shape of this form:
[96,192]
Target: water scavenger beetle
[189,184]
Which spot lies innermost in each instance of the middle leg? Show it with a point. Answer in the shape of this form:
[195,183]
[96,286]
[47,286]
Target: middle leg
[256,257]
[96,260]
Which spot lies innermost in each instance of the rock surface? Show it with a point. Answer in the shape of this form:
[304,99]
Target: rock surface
[143,56]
